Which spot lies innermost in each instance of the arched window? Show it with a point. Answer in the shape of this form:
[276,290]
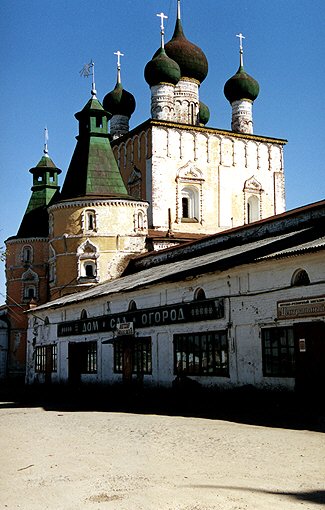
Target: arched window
[27,254]
[300,278]
[30,285]
[90,269]
[199,294]
[88,256]
[132,306]
[90,220]
[190,203]
[29,292]
[83,314]
[253,213]
[140,220]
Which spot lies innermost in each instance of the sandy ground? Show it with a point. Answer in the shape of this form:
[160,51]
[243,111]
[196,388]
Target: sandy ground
[73,459]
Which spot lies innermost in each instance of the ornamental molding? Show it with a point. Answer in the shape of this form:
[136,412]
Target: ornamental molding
[189,172]
[27,240]
[99,203]
[252,185]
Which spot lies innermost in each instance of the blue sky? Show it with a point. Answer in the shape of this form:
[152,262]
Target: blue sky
[45,43]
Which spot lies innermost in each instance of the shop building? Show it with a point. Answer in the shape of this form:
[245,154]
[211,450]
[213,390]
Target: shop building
[243,307]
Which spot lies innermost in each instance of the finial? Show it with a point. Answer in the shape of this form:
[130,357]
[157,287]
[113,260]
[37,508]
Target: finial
[46,138]
[119,55]
[162,16]
[87,70]
[241,37]
[178,9]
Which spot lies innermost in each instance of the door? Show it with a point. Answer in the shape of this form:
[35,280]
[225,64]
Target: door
[310,357]
[75,363]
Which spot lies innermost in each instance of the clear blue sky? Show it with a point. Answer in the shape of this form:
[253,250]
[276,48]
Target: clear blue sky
[45,43]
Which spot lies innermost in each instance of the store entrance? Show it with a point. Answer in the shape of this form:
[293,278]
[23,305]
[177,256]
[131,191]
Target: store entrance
[310,358]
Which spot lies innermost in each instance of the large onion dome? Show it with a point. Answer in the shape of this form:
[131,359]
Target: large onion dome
[119,101]
[241,86]
[204,114]
[190,58]
[162,69]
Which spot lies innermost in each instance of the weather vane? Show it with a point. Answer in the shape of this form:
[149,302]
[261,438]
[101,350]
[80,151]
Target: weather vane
[87,70]
[46,139]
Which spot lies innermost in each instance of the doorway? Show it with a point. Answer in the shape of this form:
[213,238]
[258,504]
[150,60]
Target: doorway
[310,357]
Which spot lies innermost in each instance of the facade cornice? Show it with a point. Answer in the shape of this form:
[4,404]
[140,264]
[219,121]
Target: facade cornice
[24,240]
[98,203]
[199,129]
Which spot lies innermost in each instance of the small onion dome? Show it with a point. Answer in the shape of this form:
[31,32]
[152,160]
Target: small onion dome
[119,101]
[190,58]
[162,69]
[204,114]
[241,86]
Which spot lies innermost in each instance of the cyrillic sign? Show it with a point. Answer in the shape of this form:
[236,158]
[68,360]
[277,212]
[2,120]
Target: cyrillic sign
[208,309]
[311,307]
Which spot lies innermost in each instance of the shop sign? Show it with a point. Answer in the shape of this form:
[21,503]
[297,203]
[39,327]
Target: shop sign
[297,308]
[207,309]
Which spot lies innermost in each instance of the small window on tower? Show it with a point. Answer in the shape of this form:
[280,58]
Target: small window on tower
[29,292]
[90,270]
[27,254]
[90,220]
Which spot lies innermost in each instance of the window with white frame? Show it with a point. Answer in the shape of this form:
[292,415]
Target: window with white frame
[190,203]
[29,285]
[253,209]
[27,254]
[88,259]
[90,220]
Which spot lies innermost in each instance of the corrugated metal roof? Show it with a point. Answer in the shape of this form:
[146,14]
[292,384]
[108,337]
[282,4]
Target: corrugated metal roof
[316,244]
[245,253]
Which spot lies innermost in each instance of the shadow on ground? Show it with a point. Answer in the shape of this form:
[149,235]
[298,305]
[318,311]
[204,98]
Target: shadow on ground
[245,405]
[316,497]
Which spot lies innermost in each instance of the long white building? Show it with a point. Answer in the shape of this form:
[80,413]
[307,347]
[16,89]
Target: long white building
[244,307]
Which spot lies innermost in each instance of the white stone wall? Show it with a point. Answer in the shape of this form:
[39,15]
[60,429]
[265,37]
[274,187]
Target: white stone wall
[250,292]
[228,166]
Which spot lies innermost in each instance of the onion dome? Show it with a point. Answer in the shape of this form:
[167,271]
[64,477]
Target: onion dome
[119,101]
[162,69]
[190,58]
[204,114]
[241,86]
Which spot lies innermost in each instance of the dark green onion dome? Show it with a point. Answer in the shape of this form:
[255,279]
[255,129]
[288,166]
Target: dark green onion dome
[119,101]
[241,86]
[204,114]
[162,69]
[190,58]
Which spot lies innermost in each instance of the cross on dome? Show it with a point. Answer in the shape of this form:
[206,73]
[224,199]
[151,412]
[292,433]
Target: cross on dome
[119,55]
[241,37]
[162,16]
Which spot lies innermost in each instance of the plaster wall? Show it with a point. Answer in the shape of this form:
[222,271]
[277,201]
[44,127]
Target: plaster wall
[250,293]
[231,169]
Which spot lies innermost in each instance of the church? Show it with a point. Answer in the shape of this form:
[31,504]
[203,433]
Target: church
[167,252]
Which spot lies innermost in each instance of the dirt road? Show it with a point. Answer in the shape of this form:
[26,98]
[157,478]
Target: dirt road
[71,459]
